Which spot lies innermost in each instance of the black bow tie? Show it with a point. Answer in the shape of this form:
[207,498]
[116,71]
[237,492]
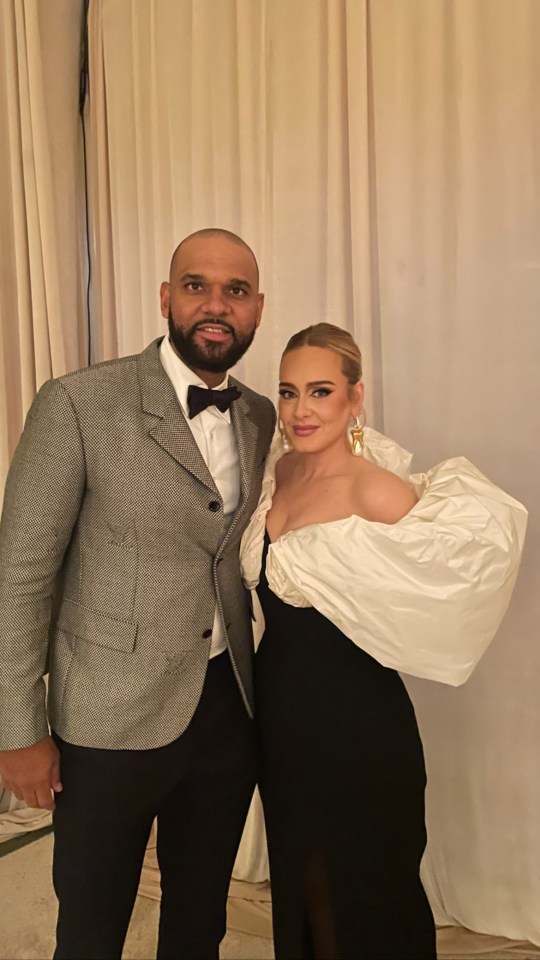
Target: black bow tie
[199,398]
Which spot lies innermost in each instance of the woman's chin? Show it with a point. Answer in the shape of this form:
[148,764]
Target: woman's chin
[307,444]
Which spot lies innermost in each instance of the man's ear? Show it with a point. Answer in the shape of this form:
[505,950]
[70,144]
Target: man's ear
[165,298]
[260,305]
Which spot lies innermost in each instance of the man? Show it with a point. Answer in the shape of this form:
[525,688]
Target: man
[119,574]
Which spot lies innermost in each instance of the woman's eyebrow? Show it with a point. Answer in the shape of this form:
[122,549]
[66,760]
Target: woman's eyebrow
[312,383]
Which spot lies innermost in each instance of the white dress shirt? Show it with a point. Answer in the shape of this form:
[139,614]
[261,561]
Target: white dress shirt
[214,435]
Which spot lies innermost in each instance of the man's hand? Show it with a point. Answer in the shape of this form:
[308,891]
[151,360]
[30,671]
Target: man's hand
[33,773]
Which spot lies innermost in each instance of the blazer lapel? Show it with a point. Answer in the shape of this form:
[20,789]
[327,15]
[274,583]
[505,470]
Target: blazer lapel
[246,433]
[171,430]
[173,434]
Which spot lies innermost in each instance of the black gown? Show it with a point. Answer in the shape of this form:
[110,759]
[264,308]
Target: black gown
[342,782]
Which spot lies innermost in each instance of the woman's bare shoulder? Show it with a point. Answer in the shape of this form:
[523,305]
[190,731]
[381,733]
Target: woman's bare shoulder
[384,497]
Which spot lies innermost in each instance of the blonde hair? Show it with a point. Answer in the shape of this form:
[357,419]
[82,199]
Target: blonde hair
[330,337]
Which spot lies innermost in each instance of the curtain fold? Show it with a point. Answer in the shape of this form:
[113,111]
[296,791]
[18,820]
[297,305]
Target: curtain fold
[252,127]
[42,291]
[42,316]
[456,136]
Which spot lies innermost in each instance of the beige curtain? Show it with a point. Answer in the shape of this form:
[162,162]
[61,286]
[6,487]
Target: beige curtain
[456,88]
[245,114]
[383,160]
[42,316]
[42,319]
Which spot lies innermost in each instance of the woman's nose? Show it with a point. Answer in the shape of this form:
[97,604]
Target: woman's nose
[302,408]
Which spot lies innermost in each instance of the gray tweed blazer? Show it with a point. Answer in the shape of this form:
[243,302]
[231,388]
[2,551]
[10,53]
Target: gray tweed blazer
[113,555]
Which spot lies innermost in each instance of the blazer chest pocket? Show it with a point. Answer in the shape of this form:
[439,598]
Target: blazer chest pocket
[96,627]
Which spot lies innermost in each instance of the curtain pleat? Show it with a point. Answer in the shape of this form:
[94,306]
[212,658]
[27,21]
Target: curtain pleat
[42,311]
[41,242]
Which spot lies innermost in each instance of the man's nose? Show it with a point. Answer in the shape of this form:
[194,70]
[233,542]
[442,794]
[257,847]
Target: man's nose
[216,303]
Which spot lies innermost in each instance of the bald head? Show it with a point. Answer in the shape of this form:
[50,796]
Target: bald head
[212,301]
[209,233]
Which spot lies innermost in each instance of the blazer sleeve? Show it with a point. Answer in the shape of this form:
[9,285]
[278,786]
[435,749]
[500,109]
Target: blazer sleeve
[42,499]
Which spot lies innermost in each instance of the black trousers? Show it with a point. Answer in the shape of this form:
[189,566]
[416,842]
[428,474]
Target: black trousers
[199,787]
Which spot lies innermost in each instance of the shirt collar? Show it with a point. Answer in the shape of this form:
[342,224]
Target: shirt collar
[181,377]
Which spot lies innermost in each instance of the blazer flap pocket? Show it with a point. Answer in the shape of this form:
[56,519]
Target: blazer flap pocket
[96,627]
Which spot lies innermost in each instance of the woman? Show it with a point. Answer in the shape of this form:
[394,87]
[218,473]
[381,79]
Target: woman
[343,777]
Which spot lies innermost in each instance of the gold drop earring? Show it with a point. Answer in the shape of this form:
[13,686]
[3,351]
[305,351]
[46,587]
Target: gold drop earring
[356,435]
[284,439]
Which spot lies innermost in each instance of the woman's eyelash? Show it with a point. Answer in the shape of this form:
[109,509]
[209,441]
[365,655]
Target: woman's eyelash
[319,392]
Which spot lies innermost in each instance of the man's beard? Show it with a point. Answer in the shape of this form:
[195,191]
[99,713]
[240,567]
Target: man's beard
[214,357]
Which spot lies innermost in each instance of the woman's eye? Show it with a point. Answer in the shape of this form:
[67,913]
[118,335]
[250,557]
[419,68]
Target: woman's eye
[286,394]
[322,392]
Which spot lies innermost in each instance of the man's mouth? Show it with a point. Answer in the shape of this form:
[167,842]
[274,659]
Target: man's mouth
[213,331]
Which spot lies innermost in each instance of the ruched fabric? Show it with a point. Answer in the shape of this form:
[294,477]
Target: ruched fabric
[425,595]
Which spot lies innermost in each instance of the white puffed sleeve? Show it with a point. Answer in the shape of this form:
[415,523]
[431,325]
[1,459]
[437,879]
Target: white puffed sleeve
[425,595]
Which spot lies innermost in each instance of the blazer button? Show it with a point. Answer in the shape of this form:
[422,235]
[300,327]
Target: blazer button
[214,506]
[206,634]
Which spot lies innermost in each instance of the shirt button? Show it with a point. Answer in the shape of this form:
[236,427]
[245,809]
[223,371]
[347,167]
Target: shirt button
[214,506]
[206,634]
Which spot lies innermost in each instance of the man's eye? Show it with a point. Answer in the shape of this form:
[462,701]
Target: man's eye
[238,291]
[286,394]
[194,285]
